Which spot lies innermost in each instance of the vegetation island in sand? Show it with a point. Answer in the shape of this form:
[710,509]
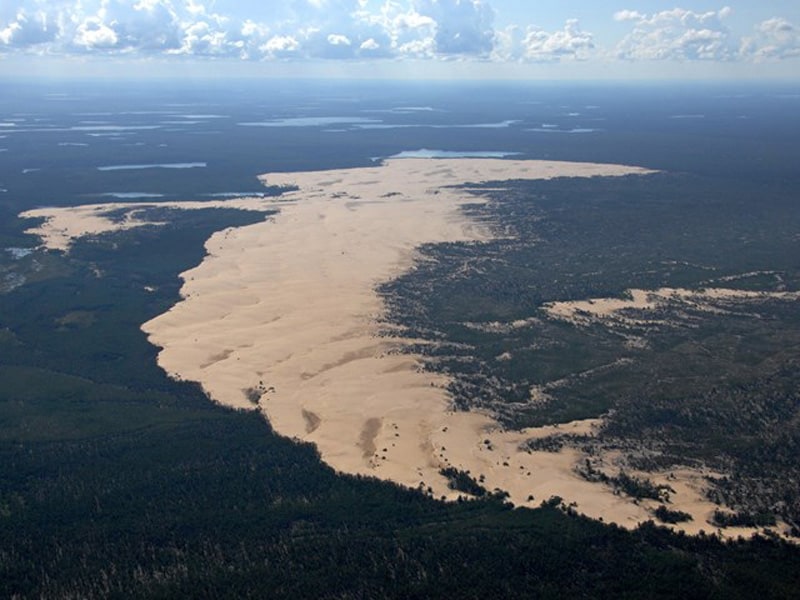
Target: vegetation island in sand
[449,326]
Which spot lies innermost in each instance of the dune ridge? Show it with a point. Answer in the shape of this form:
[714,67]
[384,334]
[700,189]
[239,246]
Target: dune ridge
[283,317]
[289,309]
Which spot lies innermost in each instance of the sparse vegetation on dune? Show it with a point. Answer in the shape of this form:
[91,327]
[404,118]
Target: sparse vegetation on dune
[684,383]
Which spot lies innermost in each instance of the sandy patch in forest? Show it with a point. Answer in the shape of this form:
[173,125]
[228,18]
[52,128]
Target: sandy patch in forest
[60,227]
[633,311]
[283,316]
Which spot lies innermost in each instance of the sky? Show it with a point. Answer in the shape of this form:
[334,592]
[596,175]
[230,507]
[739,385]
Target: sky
[515,39]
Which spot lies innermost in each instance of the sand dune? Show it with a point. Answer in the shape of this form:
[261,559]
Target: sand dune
[613,310]
[290,307]
[283,316]
[60,227]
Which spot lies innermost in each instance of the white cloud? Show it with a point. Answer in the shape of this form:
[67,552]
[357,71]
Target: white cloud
[370,45]
[461,26]
[676,34]
[336,39]
[628,15]
[775,39]
[130,26]
[281,46]
[203,39]
[306,29]
[252,29]
[334,29]
[93,33]
[147,26]
[27,28]
[350,29]
[537,45]
[406,32]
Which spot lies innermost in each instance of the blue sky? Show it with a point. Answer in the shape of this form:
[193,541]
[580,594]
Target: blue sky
[566,39]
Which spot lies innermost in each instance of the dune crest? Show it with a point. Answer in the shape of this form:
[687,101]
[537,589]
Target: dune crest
[283,316]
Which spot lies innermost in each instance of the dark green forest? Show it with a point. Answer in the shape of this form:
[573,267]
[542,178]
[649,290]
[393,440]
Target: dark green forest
[116,481]
[679,385]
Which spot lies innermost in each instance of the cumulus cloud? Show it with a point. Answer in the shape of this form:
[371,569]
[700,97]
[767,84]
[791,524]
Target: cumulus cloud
[92,33]
[461,26]
[320,44]
[281,46]
[431,28]
[147,26]
[676,34]
[406,32]
[327,29]
[128,26]
[628,15]
[353,29]
[537,45]
[370,45]
[775,39]
[338,40]
[307,28]
[28,27]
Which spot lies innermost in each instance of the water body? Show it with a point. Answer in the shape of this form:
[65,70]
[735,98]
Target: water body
[425,153]
[131,195]
[192,165]
[556,130]
[311,122]
[196,140]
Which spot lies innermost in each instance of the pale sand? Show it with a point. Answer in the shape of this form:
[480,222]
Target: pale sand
[288,308]
[62,226]
[707,299]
